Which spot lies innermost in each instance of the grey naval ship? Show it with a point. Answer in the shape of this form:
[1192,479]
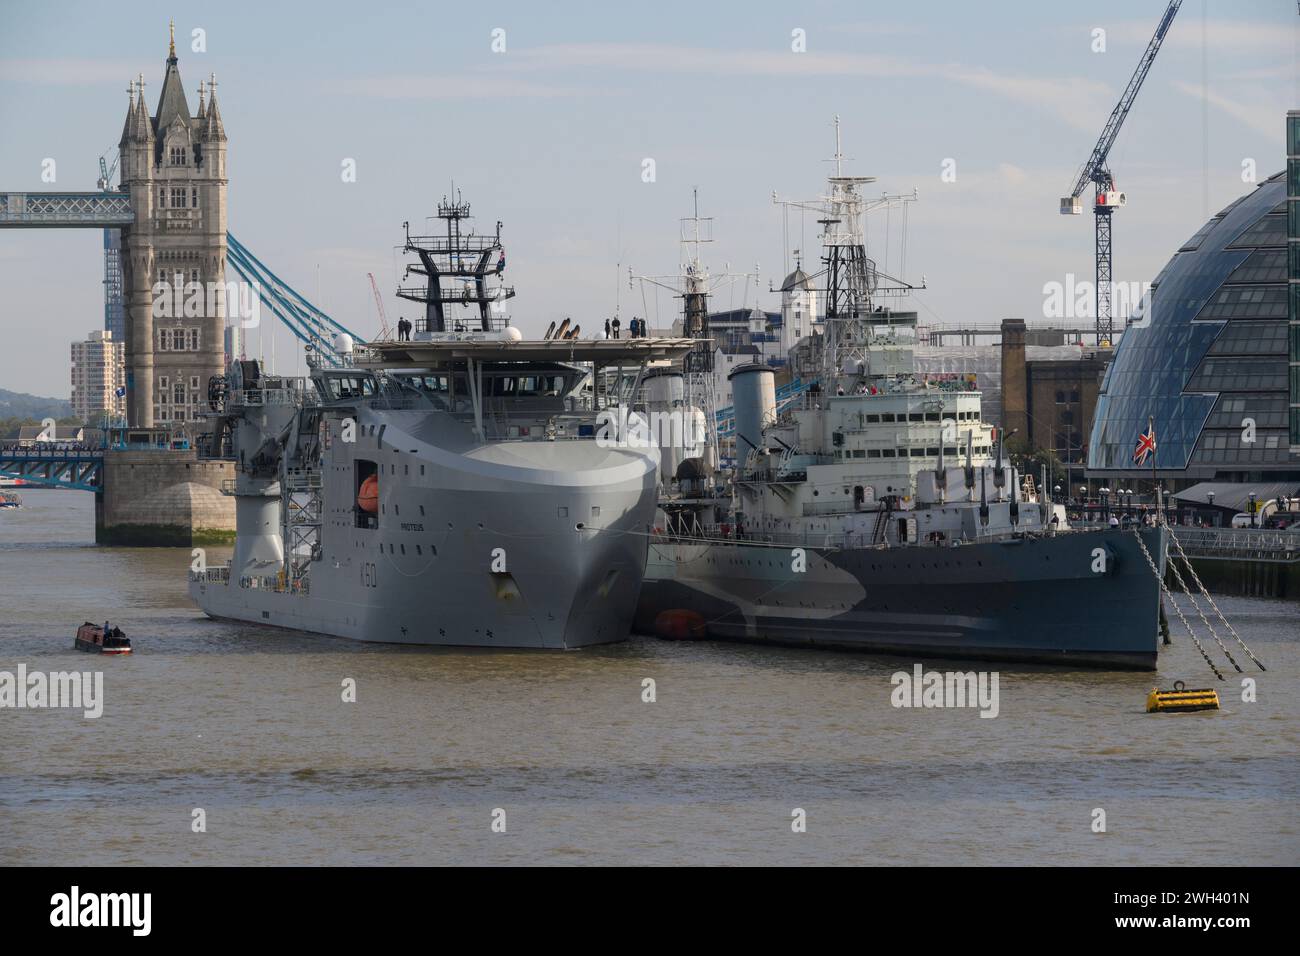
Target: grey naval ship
[448,486]
[878,512]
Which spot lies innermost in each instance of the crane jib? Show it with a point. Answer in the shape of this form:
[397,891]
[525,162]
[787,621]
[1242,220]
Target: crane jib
[1095,166]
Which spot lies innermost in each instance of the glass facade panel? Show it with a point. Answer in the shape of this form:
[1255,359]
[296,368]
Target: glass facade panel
[1266,411]
[1154,366]
[1269,231]
[1293,135]
[1251,338]
[1239,375]
[1194,243]
[1246,302]
[1264,265]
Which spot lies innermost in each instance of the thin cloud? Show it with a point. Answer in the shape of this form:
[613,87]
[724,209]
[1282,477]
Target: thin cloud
[1068,98]
[1237,36]
[455,86]
[1258,115]
[67,72]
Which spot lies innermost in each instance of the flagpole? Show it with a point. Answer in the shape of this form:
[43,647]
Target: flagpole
[1155,488]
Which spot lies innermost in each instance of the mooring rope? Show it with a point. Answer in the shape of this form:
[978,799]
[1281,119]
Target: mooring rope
[1187,624]
[1228,624]
[1173,566]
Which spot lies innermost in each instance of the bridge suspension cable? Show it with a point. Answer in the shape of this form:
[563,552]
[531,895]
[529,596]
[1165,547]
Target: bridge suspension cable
[308,323]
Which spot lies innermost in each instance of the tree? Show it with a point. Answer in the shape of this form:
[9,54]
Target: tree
[1032,461]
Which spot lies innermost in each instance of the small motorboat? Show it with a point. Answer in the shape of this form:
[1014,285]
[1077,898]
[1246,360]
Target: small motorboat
[99,639]
[10,499]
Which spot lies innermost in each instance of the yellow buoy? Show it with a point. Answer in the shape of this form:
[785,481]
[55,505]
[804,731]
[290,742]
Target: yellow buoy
[1181,699]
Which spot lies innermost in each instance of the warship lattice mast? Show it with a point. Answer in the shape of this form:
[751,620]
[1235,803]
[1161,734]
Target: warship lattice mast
[852,278]
[460,267]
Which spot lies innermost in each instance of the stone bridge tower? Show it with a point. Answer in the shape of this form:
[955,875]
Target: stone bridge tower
[173,164]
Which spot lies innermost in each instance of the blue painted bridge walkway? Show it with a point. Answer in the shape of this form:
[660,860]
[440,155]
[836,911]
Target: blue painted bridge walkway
[78,468]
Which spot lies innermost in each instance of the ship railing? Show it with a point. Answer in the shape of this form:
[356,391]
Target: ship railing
[828,541]
[277,582]
[258,397]
[211,575]
[840,507]
[301,479]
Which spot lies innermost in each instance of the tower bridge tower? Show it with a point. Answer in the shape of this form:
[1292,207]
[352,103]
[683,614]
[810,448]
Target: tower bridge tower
[173,165]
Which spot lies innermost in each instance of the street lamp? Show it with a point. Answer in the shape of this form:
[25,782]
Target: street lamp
[1105,502]
[1213,518]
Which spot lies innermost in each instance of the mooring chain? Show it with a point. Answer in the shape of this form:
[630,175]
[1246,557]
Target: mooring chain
[1173,566]
[1197,579]
[1174,604]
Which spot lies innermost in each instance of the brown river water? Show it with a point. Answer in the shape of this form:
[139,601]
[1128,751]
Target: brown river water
[248,725]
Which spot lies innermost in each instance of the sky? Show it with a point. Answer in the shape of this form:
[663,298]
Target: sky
[550,134]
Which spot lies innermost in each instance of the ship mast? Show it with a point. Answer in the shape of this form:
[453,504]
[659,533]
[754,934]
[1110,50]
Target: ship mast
[463,269]
[694,284]
[852,278]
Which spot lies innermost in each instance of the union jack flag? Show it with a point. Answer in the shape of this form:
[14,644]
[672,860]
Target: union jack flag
[1146,444]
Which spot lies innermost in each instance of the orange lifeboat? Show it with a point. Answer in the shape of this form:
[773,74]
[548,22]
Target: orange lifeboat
[368,496]
[679,624]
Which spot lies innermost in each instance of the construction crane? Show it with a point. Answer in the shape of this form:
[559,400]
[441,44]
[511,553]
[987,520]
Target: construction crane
[106,172]
[384,331]
[114,292]
[1096,171]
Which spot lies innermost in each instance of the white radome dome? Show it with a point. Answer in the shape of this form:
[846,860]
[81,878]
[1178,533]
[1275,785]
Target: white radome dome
[511,334]
[343,343]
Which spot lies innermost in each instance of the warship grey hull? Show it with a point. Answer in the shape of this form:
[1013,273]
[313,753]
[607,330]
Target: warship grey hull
[1038,599]
[500,544]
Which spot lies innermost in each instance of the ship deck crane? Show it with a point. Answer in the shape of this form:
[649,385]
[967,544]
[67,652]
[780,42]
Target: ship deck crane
[1097,172]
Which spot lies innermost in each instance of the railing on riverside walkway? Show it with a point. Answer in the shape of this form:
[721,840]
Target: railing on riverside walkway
[1252,544]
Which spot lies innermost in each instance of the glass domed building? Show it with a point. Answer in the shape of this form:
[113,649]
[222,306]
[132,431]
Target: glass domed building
[1209,354]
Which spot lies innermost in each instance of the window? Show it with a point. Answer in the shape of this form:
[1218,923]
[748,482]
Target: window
[177,155]
[1246,302]
[178,197]
[194,197]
